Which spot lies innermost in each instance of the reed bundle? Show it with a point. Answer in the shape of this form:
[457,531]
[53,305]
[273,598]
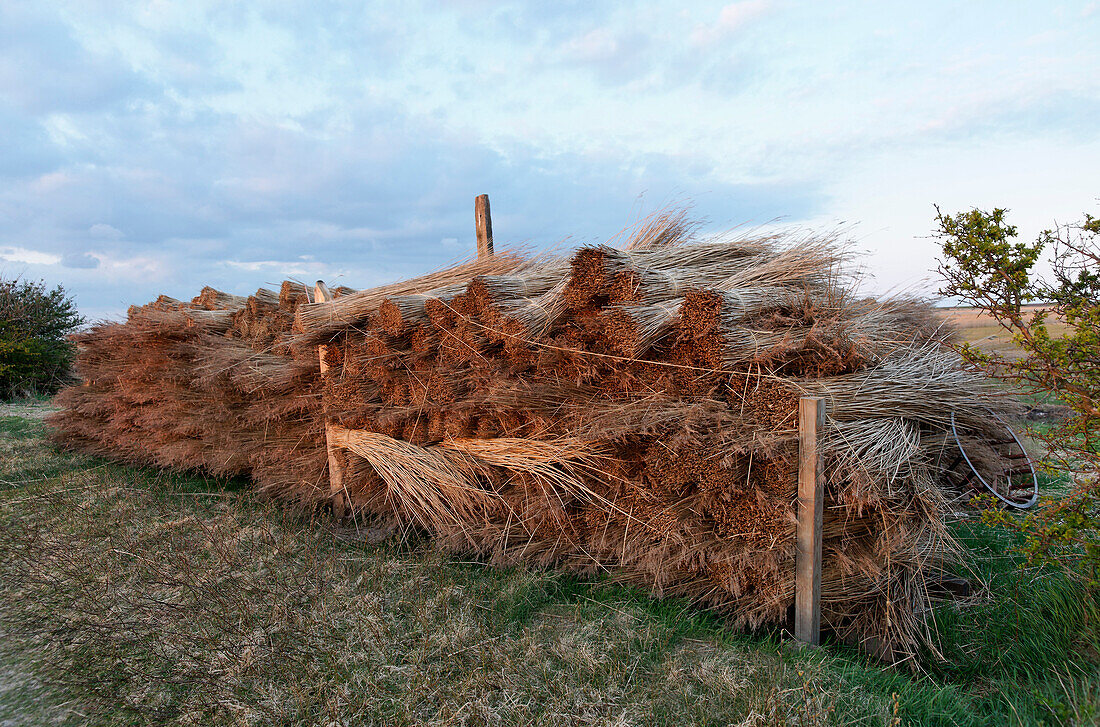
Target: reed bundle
[763,277]
[530,282]
[623,408]
[264,296]
[212,299]
[399,313]
[165,303]
[187,388]
[534,317]
[601,271]
[634,329]
[924,385]
[212,320]
[356,307]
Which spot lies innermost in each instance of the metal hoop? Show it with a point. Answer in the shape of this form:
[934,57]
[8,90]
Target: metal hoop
[1031,465]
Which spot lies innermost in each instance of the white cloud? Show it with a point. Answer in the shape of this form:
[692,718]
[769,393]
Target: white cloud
[104,231]
[28,257]
[596,45]
[732,18]
[259,136]
[135,268]
[51,182]
[284,268]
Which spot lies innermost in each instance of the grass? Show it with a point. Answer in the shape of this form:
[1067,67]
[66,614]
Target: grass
[134,596]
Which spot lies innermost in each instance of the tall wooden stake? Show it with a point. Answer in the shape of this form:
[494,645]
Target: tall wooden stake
[811,486]
[321,294]
[484,224]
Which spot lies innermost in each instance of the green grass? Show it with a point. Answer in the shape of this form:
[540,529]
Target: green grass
[134,596]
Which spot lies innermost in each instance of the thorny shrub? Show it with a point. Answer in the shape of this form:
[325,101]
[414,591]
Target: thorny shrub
[987,268]
[35,353]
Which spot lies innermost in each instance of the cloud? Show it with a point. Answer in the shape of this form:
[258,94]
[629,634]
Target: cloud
[102,231]
[731,19]
[30,257]
[167,146]
[81,260]
[26,149]
[614,57]
[282,268]
[216,198]
[44,68]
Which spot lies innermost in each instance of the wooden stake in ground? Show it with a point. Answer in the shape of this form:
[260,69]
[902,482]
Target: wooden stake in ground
[811,493]
[484,224]
[321,294]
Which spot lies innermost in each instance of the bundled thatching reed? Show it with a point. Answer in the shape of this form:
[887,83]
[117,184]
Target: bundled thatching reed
[216,388]
[619,409]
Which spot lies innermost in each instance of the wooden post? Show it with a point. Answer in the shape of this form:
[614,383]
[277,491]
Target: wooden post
[321,294]
[484,224]
[811,486]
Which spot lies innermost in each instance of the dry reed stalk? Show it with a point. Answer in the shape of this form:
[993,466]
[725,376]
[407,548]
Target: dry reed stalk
[882,455]
[663,229]
[434,488]
[805,264]
[882,328]
[923,384]
[320,318]
[742,345]
[252,371]
[555,464]
[671,273]
[645,286]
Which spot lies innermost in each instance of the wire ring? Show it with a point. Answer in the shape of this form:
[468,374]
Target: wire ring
[1031,465]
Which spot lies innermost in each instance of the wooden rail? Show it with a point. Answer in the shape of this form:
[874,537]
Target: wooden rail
[483,224]
[811,486]
[321,294]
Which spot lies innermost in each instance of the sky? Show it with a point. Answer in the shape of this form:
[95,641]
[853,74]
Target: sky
[157,147]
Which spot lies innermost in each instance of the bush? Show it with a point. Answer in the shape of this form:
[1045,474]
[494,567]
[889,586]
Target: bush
[35,353]
[985,268]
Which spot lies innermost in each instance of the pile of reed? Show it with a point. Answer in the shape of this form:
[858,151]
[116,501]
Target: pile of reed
[632,410]
[626,410]
[215,385]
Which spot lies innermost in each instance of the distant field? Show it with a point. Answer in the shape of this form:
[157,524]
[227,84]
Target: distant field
[982,331]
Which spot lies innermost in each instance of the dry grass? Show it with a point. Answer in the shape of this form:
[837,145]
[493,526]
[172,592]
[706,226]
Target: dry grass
[979,329]
[140,598]
[134,597]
